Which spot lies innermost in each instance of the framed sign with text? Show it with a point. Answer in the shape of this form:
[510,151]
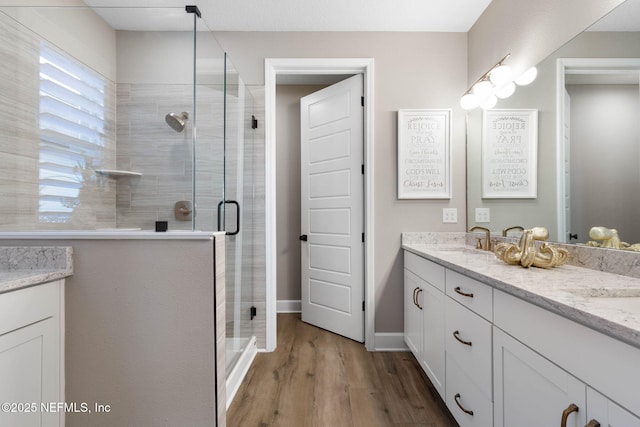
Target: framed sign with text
[424,154]
[510,154]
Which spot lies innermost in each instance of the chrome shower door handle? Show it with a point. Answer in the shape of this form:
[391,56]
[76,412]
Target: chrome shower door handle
[233,202]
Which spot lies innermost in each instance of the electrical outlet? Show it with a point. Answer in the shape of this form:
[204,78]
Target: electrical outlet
[483,215]
[450,215]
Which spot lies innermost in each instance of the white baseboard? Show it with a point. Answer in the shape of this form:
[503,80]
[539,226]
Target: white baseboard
[390,341]
[288,306]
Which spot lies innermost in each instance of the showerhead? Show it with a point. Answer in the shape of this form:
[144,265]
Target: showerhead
[177,121]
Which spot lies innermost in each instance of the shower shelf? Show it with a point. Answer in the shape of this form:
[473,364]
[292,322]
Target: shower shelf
[116,173]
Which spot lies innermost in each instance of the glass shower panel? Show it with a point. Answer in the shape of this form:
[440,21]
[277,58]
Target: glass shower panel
[239,215]
[209,144]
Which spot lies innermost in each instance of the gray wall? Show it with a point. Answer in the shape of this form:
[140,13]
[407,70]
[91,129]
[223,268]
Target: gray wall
[412,70]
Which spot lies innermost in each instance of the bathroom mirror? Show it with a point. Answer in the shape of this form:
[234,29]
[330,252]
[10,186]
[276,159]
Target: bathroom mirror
[600,193]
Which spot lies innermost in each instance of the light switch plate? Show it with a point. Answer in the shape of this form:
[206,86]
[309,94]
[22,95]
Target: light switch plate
[483,215]
[450,215]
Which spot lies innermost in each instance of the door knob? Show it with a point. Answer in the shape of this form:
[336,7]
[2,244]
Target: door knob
[303,237]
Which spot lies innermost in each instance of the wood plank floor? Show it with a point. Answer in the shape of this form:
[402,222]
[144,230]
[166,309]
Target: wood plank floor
[316,378]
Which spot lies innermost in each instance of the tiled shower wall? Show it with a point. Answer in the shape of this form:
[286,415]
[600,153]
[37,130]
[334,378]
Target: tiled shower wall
[164,157]
[20,142]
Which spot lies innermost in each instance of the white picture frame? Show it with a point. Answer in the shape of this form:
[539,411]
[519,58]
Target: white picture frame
[510,154]
[424,154]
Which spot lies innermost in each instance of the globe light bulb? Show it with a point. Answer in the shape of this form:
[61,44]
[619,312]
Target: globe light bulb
[506,90]
[482,89]
[501,75]
[469,101]
[489,103]
[527,77]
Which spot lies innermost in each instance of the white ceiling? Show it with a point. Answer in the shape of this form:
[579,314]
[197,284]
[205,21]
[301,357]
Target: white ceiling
[301,15]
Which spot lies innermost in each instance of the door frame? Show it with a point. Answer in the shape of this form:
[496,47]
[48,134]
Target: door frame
[317,66]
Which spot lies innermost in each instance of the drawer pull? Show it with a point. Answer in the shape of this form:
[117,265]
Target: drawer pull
[593,423]
[464,294]
[417,295]
[415,301]
[456,335]
[565,414]
[457,399]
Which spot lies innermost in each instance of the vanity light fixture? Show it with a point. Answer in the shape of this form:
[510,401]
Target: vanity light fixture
[496,83]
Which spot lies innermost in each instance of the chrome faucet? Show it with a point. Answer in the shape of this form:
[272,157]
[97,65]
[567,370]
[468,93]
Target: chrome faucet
[515,227]
[487,238]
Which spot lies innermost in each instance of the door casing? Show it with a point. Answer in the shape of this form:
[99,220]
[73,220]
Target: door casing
[317,66]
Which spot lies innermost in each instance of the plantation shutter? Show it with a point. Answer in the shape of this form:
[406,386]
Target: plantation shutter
[72,127]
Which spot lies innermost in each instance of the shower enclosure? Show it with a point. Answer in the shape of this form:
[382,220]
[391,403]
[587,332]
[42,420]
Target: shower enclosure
[134,119]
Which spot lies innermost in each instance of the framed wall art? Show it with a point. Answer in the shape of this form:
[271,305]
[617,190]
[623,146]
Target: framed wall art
[424,154]
[509,154]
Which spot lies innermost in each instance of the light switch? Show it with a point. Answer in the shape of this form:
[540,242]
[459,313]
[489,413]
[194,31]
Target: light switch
[483,215]
[450,215]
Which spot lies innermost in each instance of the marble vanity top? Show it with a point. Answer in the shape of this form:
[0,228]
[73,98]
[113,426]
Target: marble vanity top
[21,267]
[606,302]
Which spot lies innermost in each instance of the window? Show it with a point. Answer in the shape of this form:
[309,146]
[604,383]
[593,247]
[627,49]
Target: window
[72,127]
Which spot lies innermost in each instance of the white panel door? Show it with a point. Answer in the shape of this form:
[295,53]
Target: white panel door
[332,208]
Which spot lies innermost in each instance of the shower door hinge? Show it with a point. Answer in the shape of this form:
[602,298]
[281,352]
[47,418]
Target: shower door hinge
[254,122]
[362,100]
[193,9]
[362,169]
[362,305]
[362,237]
[254,312]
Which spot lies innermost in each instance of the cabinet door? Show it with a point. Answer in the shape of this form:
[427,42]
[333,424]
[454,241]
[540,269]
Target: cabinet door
[29,369]
[530,390]
[433,340]
[607,413]
[412,313]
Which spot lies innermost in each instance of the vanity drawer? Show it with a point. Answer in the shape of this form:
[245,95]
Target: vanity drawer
[468,341]
[427,270]
[463,395]
[474,295]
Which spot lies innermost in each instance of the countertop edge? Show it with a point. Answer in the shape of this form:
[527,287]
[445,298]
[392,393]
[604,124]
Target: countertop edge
[32,278]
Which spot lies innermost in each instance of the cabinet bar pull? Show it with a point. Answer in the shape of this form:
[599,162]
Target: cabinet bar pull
[415,301]
[565,414]
[456,335]
[457,399]
[464,294]
[593,423]
[418,302]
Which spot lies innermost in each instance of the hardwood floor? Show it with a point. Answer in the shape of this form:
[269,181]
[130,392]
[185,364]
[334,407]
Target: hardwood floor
[316,378]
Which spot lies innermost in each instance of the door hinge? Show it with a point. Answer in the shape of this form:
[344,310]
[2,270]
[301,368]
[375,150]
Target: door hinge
[362,169]
[362,305]
[254,122]
[254,312]
[362,100]
[362,237]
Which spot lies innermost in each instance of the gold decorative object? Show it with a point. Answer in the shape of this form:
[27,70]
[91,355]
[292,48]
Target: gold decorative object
[610,239]
[527,254]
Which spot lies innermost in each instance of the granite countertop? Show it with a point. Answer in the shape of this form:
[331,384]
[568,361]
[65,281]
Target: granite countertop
[603,301]
[21,267]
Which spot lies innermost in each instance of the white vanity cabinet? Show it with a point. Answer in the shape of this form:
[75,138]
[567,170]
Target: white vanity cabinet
[510,362]
[424,316]
[32,356]
[530,390]
[468,312]
[544,362]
